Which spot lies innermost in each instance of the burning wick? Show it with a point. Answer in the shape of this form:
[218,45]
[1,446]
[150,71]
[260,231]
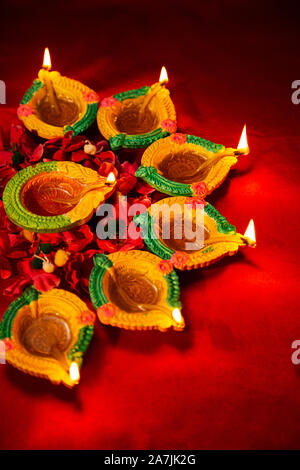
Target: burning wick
[49,86]
[111,179]
[250,234]
[163,78]
[74,372]
[242,147]
[176,314]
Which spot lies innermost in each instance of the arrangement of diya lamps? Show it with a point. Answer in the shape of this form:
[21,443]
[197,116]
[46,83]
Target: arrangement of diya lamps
[136,290]
[55,196]
[136,118]
[55,104]
[185,165]
[46,334]
[218,237]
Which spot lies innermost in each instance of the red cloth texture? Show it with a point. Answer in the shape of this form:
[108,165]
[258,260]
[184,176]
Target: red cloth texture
[226,381]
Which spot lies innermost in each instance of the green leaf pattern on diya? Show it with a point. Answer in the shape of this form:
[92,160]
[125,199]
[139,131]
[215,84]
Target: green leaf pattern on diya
[101,264]
[18,213]
[84,338]
[210,146]
[86,121]
[37,84]
[223,225]
[30,294]
[146,224]
[131,94]
[173,290]
[151,176]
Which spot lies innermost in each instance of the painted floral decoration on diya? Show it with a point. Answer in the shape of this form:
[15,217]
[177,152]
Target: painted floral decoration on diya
[136,118]
[54,104]
[218,237]
[46,334]
[136,290]
[55,196]
[185,165]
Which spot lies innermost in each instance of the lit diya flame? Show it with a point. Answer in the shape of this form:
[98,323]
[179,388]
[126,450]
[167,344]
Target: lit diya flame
[243,143]
[74,372]
[163,78]
[111,179]
[250,233]
[176,314]
[47,59]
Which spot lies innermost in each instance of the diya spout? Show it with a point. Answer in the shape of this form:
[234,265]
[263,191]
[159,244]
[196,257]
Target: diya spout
[248,239]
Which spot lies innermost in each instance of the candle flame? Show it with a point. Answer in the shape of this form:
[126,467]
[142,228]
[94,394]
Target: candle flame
[243,143]
[111,178]
[163,75]
[74,372]
[47,59]
[250,231]
[176,314]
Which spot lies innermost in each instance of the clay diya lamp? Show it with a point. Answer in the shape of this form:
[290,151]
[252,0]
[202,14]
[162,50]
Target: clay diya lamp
[136,118]
[185,165]
[55,104]
[208,237]
[55,196]
[46,334]
[136,290]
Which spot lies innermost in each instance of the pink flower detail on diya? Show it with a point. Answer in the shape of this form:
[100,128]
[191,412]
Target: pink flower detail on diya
[90,96]
[165,267]
[199,189]
[169,125]
[108,102]
[179,259]
[178,138]
[24,110]
[9,344]
[106,310]
[193,202]
[86,318]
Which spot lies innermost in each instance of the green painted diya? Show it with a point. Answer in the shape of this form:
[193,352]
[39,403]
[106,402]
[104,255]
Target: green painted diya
[136,118]
[47,333]
[173,230]
[185,165]
[54,196]
[136,290]
[75,108]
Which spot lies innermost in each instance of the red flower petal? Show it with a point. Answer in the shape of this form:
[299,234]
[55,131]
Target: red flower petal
[126,183]
[59,155]
[5,268]
[37,153]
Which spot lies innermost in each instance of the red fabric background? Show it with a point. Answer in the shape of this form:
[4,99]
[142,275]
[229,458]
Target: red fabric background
[227,381]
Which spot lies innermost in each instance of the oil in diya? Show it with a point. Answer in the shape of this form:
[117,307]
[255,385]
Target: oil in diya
[55,104]
[197,234]
[136,118]
[186,165]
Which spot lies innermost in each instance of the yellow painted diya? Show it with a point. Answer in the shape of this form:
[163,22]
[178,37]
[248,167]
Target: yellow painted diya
[207,240]
[135,290]
[55,104]
[136,118]
[55,196]
[186,165]
[46,334]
